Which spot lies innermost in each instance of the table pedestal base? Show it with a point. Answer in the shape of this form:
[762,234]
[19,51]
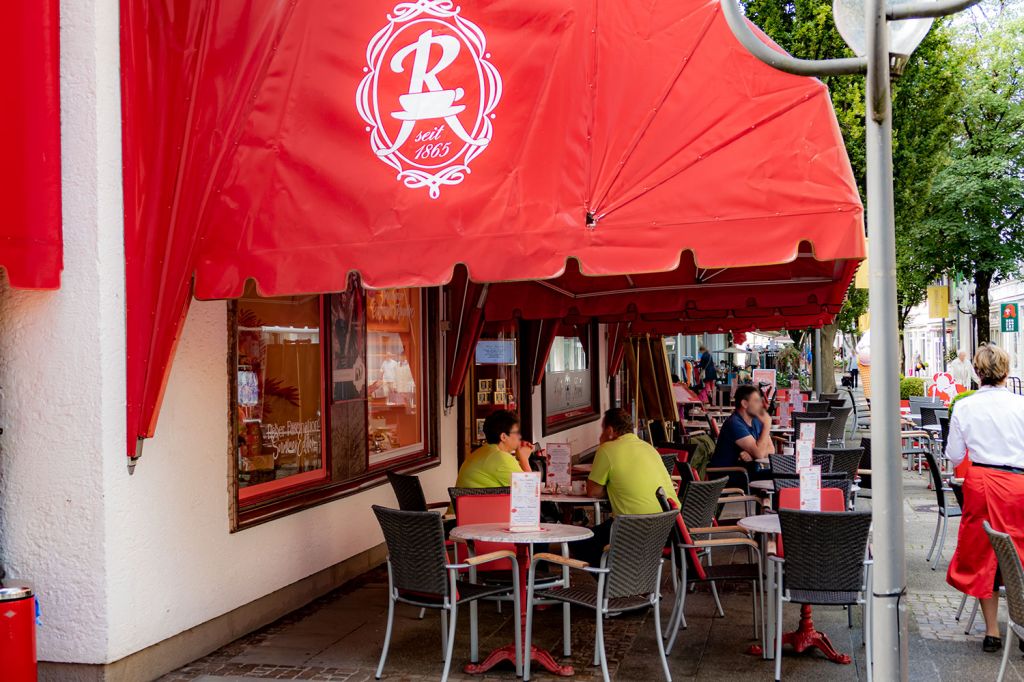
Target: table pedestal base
[806,637]
[541,657]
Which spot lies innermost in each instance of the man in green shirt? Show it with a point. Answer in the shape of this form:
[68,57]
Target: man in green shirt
[629,472]
[505,453]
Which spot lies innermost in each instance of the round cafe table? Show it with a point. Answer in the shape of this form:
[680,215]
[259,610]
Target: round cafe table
[499,532]
[805,636]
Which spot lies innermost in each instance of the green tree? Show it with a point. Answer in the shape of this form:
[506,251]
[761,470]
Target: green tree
[975,221]
[925,98]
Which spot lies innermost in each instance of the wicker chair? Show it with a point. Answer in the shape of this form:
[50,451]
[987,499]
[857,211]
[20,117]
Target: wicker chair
[822,425]
[825,564]
[628,579]
[844,460]
[865,465]
[840,420]
[419,574]
[817,406]
[786,464]
[1013,580]
[698,509]
[409,493]
[691,543]
[945,510]
[669,460]
[829,396]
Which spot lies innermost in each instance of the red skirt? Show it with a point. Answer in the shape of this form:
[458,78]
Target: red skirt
[997,497]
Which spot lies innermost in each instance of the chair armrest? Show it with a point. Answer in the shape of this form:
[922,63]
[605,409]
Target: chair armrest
[438,505]
[483,559]
[863,472]
[716,529]
[561,560]
[725,542]
[738,498]
[733,491]
[718,469]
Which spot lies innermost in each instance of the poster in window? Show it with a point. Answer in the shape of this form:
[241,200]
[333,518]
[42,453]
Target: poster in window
[348,343]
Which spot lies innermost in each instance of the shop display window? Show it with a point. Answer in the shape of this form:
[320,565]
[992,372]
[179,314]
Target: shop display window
[279,394]
[570,381]
[330,392]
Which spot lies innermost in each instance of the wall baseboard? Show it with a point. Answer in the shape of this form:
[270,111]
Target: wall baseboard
[196,642]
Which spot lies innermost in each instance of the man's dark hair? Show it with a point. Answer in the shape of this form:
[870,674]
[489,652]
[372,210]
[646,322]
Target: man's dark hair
[618,420]
[497,423]
[743,393]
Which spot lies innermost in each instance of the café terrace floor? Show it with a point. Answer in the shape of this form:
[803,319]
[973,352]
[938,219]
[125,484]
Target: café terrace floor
[338,637]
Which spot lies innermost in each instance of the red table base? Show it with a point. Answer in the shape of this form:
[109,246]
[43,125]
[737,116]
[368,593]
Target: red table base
[540,656]
[806,637]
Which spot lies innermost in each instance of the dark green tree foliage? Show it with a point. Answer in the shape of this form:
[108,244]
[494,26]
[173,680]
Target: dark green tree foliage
[925,98]
[976,217]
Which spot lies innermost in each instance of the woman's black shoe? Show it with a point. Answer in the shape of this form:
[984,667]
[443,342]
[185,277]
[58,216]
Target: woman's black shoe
[991,644]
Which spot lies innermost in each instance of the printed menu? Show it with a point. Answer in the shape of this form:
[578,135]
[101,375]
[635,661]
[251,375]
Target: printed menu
[804,454]
[807,431]
[524,502]
[810,488]
[559,466]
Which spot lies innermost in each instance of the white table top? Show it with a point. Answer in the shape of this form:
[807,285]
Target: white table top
[499,532]
[561,498]
[762,523]
[583,468]
[782,429]
[763,485]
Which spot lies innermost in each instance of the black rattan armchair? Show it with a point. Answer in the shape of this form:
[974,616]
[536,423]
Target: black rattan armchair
[628,579]
[825,564]
[1013,581]
[419,574]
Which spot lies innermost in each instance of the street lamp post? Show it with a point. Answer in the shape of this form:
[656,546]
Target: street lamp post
[882,49]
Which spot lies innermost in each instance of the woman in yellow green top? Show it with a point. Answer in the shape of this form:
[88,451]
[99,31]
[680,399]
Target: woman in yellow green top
[491,465]
[629,472]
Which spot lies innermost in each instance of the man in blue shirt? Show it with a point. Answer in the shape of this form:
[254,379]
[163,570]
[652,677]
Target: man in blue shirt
[746,434]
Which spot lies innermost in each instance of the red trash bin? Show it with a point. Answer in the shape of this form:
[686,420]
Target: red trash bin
[17,634]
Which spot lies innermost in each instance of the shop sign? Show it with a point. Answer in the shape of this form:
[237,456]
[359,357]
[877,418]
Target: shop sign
[429,94]
[1009,318]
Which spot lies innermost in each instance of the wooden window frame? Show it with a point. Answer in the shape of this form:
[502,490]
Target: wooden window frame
[593,359]
[305,495]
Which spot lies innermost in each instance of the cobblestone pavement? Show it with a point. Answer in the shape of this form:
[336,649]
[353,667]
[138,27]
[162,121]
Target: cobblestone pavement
[338,637]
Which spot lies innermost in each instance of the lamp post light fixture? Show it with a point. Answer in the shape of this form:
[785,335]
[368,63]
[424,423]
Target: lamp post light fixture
[882,35]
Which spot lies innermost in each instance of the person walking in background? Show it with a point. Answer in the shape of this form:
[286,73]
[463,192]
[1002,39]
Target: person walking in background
[853,369]
[962,371]
[708,374]
[989,424]
[919,365]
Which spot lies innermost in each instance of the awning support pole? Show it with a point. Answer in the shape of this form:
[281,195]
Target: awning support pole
[889,623]
[819,363]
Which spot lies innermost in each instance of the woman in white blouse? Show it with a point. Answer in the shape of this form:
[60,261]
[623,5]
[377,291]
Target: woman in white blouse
[989,427]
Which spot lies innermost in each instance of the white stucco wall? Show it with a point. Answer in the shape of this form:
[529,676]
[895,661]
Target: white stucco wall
[62,362]
[171,559]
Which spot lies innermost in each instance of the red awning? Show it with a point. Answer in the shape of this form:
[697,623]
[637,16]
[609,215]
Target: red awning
[31,248]
[292,143]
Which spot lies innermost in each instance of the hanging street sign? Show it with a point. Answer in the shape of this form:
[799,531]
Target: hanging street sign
[1009,317]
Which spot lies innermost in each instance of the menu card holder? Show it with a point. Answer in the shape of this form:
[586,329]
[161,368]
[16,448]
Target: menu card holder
[524,503]
[807,431]
[804,454]
[810,488]
[559,466]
